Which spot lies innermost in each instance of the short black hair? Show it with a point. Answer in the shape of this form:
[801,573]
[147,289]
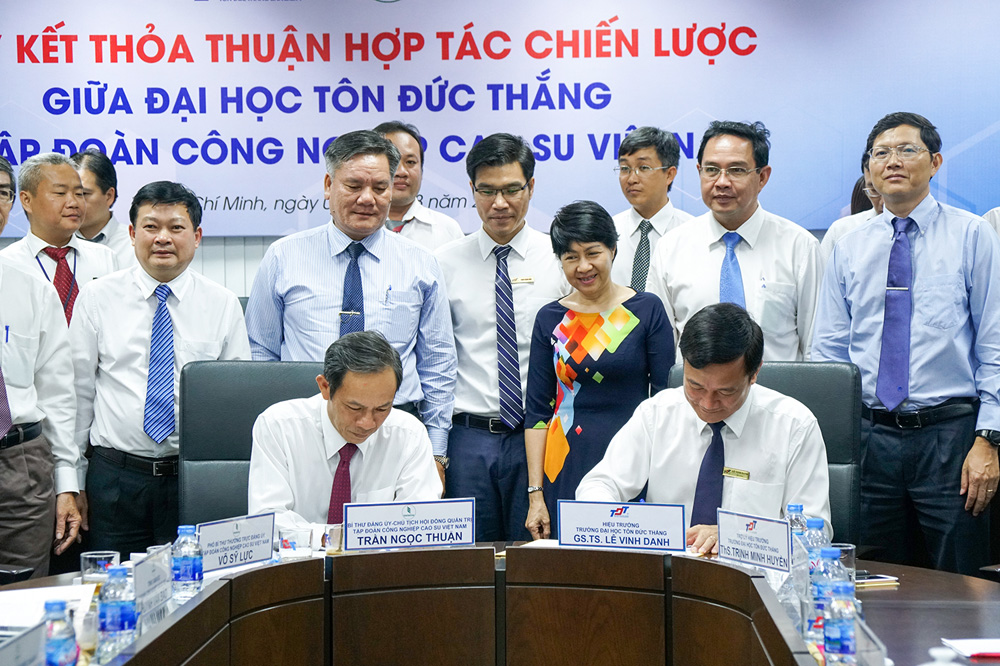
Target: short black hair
[722,333]
[396,126]
[169,193]
[582,222]
[755,133]
[98,164]
[359,142]
[665,143]
[928,133]
[362,352]
[859,200]
[499,149]
[864,162]
[6,168]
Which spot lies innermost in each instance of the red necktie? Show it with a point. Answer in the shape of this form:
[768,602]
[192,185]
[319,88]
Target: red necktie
[341,493]
[399,228]
[64,280]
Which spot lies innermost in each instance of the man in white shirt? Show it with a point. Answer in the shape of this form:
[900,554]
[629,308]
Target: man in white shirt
[52,198]
[133,333]
[100,191]
[486,454]
[845,225]
[738,252]
[407,216]
[720,440]
[993,217]
[36,416]
[313,455]
[647,166]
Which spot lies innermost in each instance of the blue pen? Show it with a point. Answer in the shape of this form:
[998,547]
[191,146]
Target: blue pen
[387,293]
[6,333]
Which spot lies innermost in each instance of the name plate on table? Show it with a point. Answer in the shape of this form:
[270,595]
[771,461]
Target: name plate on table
[153,587]
[236,541]
[629,526]
[755,540]
[412,525]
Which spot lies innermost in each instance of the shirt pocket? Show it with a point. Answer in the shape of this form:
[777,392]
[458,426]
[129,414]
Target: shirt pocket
[941,301]
[386,494]
[195,350]
[777,307]
[755,497]
[403,316]
[18,359]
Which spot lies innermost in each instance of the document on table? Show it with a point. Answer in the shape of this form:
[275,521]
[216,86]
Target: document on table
[26,608]
[981,648]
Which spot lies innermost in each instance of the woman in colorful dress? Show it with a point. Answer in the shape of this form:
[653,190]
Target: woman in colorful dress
[595,355]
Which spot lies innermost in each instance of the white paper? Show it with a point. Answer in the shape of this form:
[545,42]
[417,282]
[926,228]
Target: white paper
[26,608]
[970,646]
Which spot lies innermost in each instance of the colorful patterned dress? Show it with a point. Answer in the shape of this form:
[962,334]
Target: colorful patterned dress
[588,373]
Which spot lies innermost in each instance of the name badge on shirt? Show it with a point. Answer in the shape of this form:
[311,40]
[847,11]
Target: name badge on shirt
[734,473]
[522,280]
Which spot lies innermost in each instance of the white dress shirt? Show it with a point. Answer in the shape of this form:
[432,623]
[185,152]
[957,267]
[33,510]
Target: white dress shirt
[36,362]
[841,228]
[426,227]
[774,438]
[110,333]
[115,237]
[88,261]
[469,267]
[627,224]
[781,267]
[993,217]
[295,455]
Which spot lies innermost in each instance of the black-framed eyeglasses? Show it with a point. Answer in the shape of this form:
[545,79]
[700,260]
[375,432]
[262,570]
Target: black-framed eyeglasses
[509,192]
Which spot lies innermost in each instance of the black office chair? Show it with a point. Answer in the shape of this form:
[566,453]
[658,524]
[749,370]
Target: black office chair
[832,391]
[220,400]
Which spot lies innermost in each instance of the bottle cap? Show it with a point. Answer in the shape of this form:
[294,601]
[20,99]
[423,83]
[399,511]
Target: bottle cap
[793,508]
[55,605]
[814,523]
[117,571]
[830,553]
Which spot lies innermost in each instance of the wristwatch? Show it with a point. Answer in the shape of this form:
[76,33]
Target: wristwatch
[533,489]
[991,436]
[444,461]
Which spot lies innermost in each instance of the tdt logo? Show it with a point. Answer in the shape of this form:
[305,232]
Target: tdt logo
[751,526]
[620,511]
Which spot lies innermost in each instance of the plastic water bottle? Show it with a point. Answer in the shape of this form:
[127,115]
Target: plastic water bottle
[187,563]
[116,615]
[796,519]
[827,572]
[60,639]
[838,625]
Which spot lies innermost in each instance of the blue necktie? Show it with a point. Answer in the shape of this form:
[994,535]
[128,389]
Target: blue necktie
[708,492]
[511,412]
[158,420]
[731,279]
[893,384]
[640,264]
[352,316]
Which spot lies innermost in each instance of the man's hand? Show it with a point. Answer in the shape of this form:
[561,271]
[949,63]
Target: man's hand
[83,508]
[538,516]
[67,521]
[440,469]
[703,538]
[980,475]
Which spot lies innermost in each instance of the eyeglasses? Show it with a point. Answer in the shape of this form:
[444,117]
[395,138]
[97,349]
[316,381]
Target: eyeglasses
[509,192]
[734,173]
[643,170]
[6,196]
[906,152]
[871,192]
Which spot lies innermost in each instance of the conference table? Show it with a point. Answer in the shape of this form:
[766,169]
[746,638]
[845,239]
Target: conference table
[509,604]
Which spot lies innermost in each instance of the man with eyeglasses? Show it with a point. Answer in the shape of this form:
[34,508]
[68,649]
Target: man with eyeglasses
[353,274]
[52,198]
[38,479]
[100,191]
[913,299]
[498,278]
[647,166]
[738,252]
[845,225]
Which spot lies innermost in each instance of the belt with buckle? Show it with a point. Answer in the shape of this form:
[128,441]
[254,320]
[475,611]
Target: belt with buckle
[921,418]
[148,466]
[494,425]
[20,433]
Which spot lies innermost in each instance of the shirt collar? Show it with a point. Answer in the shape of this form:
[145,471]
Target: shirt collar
[333,442]
[179,286]
[738,419]
[36,244]
[413,213]
[923,215]
[659,221]
[338,240]
[105,233]
[749,230]
[518,244]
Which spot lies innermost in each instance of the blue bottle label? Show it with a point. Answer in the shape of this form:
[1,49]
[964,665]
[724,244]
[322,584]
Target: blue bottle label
[187,569]
[116,616]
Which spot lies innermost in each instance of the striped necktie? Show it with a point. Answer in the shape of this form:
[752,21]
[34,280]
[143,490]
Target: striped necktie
[731,278]
[64,279]
[6,421]
[509,373]
[352,315]
[640,264]
[893,383]
[158,421]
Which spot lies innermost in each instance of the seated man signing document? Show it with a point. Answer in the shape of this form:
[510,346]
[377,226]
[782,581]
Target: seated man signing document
[312,455]
[721,440]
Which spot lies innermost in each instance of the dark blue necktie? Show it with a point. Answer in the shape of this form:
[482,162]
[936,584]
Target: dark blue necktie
[352,315]
[731,279]
[708,492]
[158,420]
[893,384]
[508,367]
